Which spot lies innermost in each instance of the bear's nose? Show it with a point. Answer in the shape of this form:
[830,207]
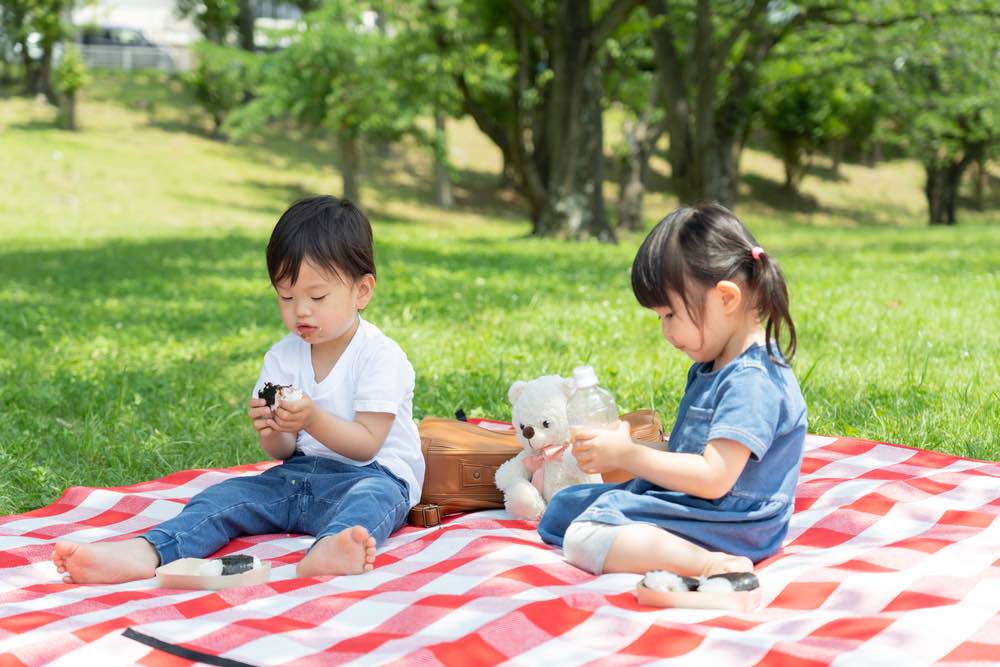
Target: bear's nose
[528,432]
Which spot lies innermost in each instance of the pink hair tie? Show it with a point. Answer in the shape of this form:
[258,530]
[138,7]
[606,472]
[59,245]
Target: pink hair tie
[756,252]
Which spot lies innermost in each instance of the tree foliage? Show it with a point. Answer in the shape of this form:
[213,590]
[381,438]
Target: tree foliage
[222,80]
[341,75]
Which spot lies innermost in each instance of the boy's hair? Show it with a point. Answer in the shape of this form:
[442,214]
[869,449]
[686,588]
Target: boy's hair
[692,249]
[331,233]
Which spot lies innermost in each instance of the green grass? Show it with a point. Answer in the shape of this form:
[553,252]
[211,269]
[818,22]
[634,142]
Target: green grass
[135,307]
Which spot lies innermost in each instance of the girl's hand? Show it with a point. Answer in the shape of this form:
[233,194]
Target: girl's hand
[600,450]
[294,416]
[261,416]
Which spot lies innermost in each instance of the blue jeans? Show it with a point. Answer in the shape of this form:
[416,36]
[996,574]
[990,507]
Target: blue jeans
[306,494]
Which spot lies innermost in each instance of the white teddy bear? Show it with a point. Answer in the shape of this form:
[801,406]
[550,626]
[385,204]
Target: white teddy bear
[546,465]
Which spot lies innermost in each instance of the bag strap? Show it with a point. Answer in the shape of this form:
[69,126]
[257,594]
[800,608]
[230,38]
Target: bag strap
[424,515]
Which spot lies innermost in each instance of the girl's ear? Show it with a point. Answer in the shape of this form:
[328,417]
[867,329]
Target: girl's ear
[365,286]
[730,295]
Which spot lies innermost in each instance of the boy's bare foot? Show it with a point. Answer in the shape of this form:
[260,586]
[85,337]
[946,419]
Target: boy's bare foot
[105,562]
[350,551]
[720,563]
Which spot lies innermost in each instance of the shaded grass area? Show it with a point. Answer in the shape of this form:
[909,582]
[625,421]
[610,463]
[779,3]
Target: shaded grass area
[135,305]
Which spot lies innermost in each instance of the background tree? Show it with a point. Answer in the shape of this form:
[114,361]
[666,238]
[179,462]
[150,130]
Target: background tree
[546,116]
[222,80]
[70,77]
[709,59]
[946,98]
[35,27]
[807,112]
[339,75]
[215,19]
[631,85]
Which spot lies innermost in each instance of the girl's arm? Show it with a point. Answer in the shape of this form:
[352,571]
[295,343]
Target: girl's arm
[359,440]
[708,475]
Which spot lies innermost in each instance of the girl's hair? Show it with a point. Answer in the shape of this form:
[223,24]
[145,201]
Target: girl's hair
[692,249]
[331,233]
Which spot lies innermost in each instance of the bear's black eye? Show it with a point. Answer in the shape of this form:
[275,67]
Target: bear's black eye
[521,426]
[546,424]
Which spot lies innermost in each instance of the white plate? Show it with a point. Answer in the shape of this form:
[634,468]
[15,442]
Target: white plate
[183,573]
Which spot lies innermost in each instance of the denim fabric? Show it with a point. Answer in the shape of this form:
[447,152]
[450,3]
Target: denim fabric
[305,494]
[751,400]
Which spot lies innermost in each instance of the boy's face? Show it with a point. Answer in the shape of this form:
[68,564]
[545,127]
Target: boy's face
[320,307]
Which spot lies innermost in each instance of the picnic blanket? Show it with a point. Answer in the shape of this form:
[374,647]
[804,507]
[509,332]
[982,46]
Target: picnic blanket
[893,558]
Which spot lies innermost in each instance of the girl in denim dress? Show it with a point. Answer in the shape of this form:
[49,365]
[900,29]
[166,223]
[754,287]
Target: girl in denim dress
[721,498]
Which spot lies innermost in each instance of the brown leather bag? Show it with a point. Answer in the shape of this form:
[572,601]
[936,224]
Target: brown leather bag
[462,461]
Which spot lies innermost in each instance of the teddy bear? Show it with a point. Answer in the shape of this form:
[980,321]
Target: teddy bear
[546,464]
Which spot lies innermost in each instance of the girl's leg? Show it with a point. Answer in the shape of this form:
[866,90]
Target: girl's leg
[566,506]
[368,506]
[639,548]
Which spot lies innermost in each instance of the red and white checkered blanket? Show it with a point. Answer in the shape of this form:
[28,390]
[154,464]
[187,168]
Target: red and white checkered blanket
[893,558]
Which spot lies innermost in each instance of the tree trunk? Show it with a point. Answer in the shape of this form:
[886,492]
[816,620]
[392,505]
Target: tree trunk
[350,167]
[574,201]
[67,112]
[571,158]
[942,190]
[791,157]
[640,139]
[442,174]
[836,157]
[245,24]
[979,185]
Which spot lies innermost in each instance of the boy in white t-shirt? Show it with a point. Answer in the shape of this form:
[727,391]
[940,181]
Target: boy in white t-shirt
[352,466]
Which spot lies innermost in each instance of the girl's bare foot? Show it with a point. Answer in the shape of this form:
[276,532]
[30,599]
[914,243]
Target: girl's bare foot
[350,551]
[105,562]
[720,563]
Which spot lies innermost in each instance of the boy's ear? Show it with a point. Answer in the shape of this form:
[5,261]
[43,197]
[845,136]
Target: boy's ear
[366,289]
[730,295]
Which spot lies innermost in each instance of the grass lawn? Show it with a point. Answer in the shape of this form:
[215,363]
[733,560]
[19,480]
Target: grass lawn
[135,306]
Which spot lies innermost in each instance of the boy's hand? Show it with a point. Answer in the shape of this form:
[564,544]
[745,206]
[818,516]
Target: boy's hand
[262,417]
[600,450]
[294,416]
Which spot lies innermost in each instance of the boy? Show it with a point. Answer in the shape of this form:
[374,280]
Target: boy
[351,462]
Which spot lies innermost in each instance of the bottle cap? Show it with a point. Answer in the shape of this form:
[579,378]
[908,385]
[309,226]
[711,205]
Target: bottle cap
[584,376]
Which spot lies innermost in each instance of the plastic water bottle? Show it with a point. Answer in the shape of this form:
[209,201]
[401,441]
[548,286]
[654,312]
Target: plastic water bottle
[589,405]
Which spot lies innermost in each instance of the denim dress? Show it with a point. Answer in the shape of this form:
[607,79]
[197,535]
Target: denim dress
[751,400]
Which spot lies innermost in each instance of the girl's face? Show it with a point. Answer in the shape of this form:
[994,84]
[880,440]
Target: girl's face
[704,341]
[320,307]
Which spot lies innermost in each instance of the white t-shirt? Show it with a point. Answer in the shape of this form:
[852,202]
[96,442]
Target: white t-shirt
[372,375]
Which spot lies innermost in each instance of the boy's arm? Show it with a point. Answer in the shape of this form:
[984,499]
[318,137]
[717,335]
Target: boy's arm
[277,445]
[359,440]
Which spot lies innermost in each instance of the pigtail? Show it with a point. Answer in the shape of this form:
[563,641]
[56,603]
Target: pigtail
[772,303]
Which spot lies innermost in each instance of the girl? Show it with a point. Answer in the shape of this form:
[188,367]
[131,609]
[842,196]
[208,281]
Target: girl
[721,498]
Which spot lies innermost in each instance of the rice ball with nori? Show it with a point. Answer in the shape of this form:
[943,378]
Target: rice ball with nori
[663,581]
[729,582]
[288,393]
[226,565]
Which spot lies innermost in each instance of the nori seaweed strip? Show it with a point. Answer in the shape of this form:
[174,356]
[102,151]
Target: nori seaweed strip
[269,391]
[236,564]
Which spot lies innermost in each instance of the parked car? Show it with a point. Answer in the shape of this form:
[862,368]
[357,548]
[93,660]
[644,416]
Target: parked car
[121,47]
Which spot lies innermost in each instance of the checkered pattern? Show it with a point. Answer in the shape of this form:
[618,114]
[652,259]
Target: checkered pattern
[893,558]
